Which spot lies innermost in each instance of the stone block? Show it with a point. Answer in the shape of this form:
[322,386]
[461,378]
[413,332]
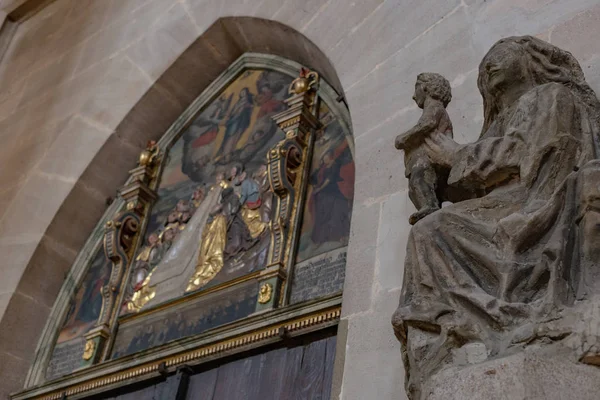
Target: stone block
[360,266]
[84,19]
[123,9]
[73,223]
[21,326]
[591,69]
[4,300]
[266,8]
[46,272]
[270,37]
[336,19]
[32,145]
[492,21]
[392,237]
[387,91]
[15,165]
[10,95]
[196,68]
[206,12]
[263,36]
[7,195]
[109,169]
[123,85]
[32,43]
[521,376]
[157,50]
[33,208]
[371,346]
[466,108]
[298,14]
[73,149]
[120,33]
[13,371]
[379,166]
[150,117]
[392,26]
[65,100]
[102,45]
[577,34]
[340,358]
[15,257]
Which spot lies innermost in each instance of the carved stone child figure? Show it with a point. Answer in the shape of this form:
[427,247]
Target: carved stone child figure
[432,94]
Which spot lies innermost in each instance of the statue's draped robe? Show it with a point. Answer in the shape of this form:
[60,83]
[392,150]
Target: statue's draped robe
[483,266]
[170,277]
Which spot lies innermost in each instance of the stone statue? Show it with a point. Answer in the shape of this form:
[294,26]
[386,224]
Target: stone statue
[515,270]
[432,94]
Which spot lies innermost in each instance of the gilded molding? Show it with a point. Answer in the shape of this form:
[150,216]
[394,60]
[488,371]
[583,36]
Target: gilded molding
[315,320]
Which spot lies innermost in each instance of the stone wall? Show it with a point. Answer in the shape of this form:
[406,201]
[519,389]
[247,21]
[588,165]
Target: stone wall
[77,68]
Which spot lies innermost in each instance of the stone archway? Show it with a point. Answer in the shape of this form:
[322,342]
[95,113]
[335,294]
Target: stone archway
[208,56]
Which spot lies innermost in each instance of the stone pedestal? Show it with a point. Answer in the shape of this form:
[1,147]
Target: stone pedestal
[523,376]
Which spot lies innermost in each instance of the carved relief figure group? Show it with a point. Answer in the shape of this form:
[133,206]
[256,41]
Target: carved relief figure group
[214,205]
[233,220]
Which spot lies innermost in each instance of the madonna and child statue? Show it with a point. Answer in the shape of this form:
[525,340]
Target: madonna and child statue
[501,290]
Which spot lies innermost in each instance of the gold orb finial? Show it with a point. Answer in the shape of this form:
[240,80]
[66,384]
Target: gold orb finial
[148,155]
[304,82]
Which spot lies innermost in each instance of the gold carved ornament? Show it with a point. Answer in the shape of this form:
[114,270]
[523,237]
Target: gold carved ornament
[149,155]
[210,259]
[265,293]
[141,296]
[210,350]
[88,350]
[304,82]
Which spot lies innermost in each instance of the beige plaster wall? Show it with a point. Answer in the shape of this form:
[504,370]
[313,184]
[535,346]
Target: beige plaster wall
[75,69]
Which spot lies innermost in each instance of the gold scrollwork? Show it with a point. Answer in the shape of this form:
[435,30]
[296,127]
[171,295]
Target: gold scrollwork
[265,293]
[88,351]
[290,134]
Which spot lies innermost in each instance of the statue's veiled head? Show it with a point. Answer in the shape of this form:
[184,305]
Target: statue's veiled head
[526,60]
[504,65]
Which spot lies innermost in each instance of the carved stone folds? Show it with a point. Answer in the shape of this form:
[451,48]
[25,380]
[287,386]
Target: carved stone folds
[508,281]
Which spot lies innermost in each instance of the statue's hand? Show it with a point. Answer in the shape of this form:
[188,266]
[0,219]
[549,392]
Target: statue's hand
[441,149]
[400,142]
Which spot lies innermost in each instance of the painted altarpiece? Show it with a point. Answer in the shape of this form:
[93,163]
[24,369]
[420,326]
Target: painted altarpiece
[231,231]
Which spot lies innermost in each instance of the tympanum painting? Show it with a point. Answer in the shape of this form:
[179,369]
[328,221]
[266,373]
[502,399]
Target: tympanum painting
[84,310]
[326,220]
[208,233]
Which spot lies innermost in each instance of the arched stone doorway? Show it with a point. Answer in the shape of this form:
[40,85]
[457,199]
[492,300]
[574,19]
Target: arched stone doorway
[159,107]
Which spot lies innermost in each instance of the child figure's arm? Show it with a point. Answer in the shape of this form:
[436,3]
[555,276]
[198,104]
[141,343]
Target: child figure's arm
[426,125]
